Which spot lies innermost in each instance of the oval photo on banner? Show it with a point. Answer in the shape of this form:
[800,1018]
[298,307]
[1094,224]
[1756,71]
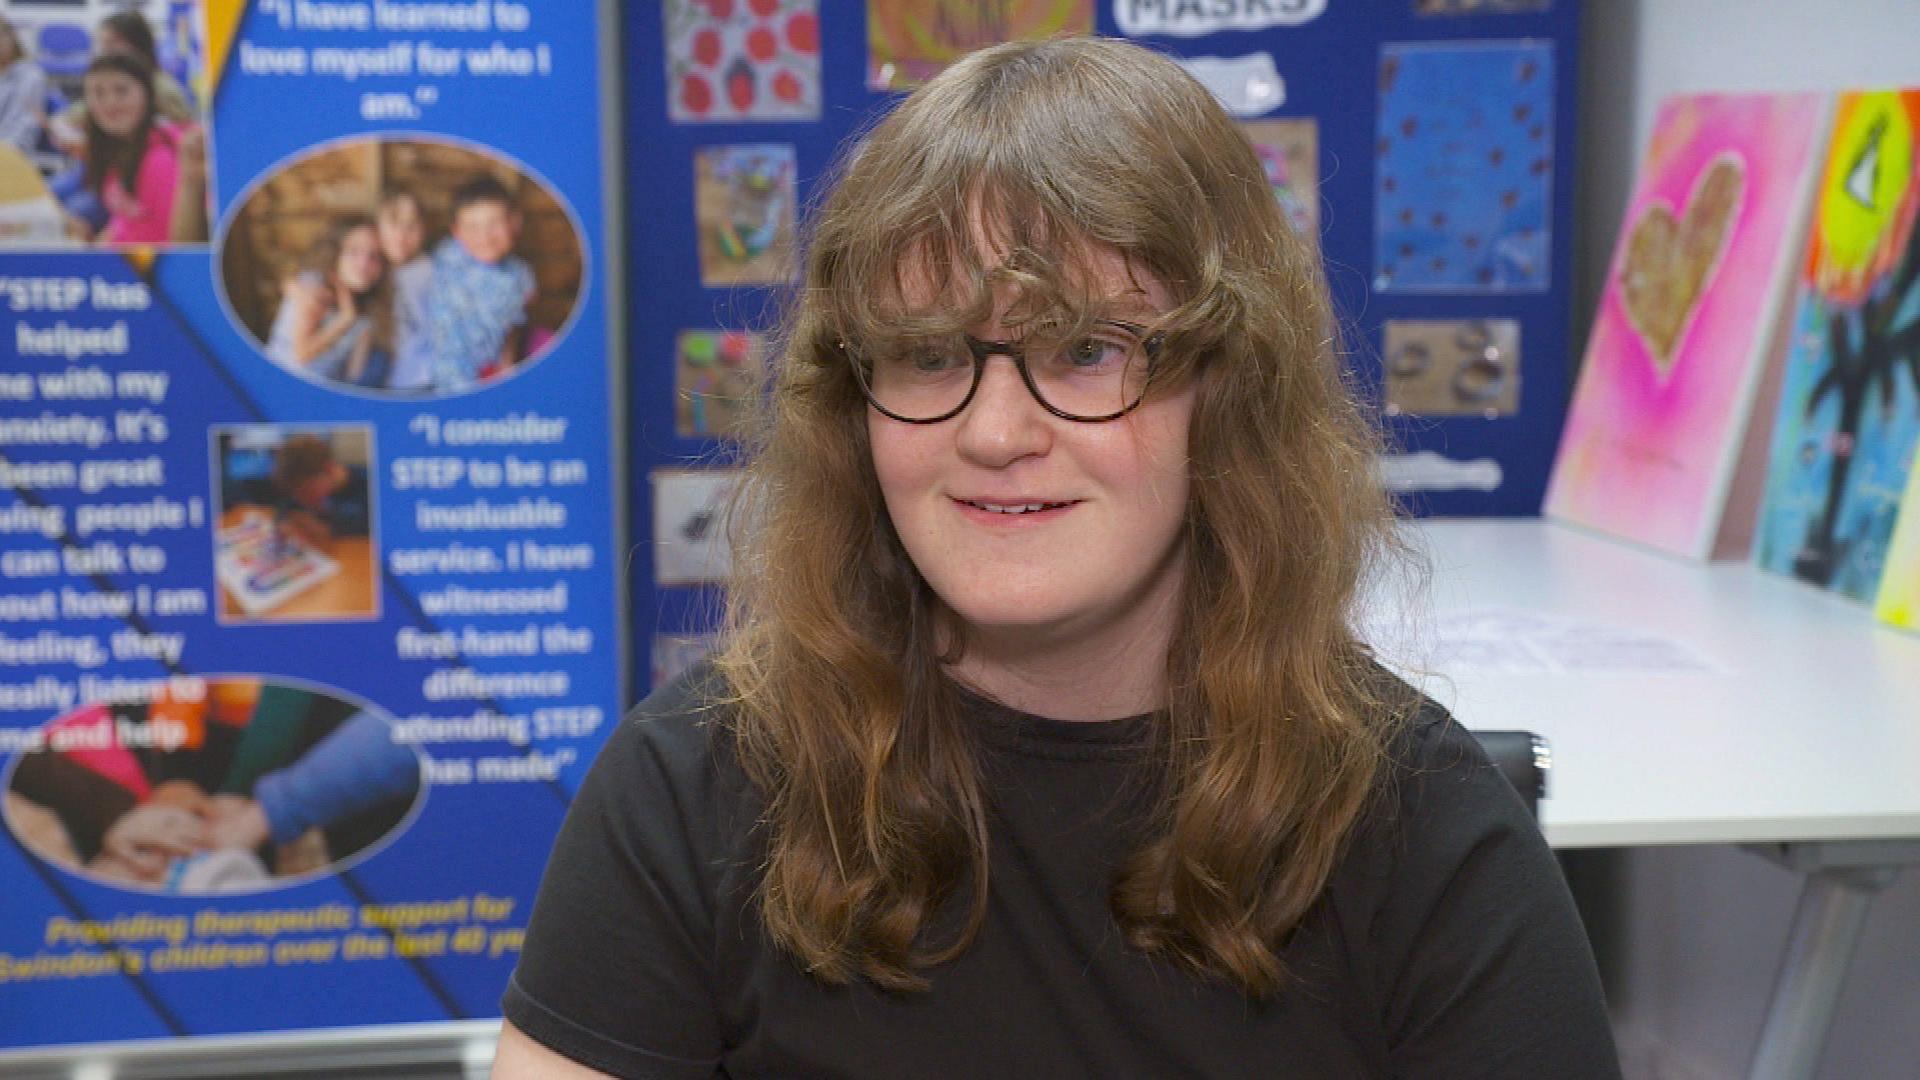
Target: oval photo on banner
[253,784]
[402,267]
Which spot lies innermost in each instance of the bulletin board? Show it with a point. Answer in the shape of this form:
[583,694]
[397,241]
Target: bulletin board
[1427,143]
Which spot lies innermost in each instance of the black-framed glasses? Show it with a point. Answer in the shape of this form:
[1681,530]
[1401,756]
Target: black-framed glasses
[1088,378]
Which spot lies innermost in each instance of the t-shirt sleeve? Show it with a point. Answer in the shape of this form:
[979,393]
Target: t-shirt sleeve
[617,969]
[1485,965]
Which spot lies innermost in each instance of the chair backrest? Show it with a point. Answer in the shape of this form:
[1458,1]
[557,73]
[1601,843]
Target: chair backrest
[1524,759]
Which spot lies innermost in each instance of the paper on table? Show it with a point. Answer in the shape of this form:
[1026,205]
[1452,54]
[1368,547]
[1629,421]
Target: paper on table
[1500,641]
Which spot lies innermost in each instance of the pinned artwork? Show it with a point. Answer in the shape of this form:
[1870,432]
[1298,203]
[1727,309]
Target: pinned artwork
[1701,276]
[1849,420]
[750,60]
[911,41]
[715,375]
[744,200]
[1289,151]
[1463,184]
[690,526]
[1452,367]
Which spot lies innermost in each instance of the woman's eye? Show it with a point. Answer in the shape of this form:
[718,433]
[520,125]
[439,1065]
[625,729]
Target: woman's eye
[1096,353]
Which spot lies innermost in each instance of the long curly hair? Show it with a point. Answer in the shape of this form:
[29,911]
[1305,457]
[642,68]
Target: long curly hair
[1006,170]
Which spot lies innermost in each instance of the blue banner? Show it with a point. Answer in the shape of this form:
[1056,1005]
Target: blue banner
[309,606]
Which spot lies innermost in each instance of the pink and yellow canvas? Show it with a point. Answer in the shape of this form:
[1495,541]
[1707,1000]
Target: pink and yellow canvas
[1700,277]
[1899,600]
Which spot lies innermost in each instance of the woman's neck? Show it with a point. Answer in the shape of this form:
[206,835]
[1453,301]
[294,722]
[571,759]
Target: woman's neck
[1073,675]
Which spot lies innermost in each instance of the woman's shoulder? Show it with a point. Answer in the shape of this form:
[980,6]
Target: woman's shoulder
[677,744]
[1437,782]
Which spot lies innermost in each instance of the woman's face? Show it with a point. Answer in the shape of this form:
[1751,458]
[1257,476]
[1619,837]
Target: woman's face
[1100,558]
[359,266]
[116,101]
[401,232]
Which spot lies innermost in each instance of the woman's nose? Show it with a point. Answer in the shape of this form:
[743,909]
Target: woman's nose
[1003,422]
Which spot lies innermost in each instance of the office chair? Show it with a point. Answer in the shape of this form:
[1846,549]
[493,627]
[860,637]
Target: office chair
[1524,759]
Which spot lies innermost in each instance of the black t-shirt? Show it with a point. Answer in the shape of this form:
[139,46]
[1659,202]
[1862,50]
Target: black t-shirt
[1446,943]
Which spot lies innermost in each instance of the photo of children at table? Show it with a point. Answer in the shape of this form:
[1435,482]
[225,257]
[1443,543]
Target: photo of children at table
[235,790]
[402,268]
[294,538]
[101,141]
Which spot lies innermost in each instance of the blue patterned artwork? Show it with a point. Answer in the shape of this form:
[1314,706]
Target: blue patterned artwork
[1463,177]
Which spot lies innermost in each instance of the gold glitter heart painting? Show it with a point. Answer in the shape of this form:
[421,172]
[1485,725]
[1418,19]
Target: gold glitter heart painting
[1702,274]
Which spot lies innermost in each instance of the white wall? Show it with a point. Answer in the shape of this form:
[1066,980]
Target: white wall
[1694,934]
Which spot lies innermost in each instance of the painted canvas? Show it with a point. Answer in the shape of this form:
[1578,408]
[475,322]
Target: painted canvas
[911,41]
[743,203]
[1849,418]
[715,373]
[1289,151]
[1701,274]
[1899,602]
[755,60]
[1463,183]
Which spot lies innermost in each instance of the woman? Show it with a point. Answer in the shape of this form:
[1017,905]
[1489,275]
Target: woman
[133,153]
[1040,743]
[336,318]
[23,93]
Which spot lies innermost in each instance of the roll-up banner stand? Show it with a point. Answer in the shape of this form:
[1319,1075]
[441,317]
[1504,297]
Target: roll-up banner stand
[310,535]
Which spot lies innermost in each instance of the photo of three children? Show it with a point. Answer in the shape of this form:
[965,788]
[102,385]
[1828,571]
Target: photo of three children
[414,269]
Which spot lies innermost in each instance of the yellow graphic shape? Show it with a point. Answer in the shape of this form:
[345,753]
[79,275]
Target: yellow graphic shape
[223,24]
[1866,195]
[1899,599]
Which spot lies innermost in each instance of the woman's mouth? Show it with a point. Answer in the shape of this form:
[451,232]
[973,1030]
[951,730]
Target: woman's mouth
[1015,508]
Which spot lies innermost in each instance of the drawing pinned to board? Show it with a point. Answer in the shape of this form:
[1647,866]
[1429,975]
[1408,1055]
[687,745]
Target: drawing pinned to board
[1452,367]
[758,60]
[1701,275]
[715,372]
[743,199]
[690,527]
[911,41]
[1289,151]
[1849,420]
[1464,177]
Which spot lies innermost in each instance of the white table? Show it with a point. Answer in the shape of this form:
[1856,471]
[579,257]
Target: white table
[1796,732]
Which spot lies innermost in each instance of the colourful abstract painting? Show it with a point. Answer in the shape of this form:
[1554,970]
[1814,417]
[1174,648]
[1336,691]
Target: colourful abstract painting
[743,205]
[1289,151]
[1701,273]
[911,41]
[715,375]
[1849,419]
[730,60]
[1463,183]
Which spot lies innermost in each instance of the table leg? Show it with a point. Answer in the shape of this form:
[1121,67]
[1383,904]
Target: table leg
[1841,880]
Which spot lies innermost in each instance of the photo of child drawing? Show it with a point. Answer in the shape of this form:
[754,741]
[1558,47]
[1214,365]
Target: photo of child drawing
[293,536]
[245,784]
[102,125]
[402,268]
